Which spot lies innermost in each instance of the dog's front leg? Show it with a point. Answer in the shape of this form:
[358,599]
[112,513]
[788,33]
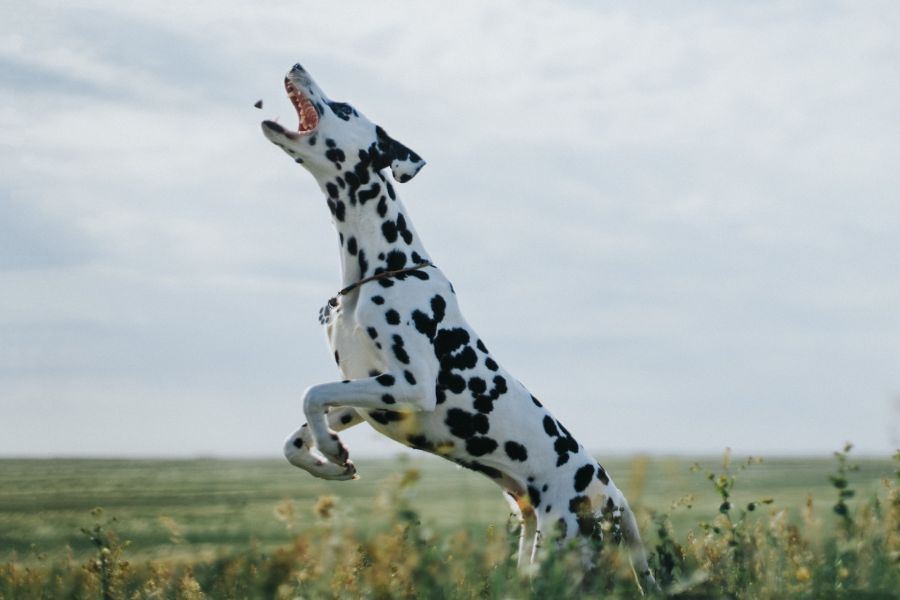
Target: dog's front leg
[300,451]
[388,391]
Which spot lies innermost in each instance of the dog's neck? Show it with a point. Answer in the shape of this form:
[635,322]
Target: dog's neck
[374,231]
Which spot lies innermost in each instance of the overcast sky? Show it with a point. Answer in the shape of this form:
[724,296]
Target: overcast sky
[677,223]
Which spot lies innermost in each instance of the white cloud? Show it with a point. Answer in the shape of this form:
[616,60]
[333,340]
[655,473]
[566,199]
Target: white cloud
[693,208]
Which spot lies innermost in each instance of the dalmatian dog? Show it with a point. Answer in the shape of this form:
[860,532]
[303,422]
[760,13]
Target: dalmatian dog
[413,368]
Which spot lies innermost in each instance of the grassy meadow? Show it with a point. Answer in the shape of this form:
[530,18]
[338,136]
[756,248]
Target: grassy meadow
[423,528]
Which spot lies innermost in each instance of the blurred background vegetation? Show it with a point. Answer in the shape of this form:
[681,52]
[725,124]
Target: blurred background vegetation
[170,528]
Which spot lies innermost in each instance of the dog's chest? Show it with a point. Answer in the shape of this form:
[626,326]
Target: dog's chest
[356,352]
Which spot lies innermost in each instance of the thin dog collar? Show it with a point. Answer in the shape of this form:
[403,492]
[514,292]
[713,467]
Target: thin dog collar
[383,275]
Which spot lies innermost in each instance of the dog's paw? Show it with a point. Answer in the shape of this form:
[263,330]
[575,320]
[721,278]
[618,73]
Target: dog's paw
[333,449]
[332,472]
[315,464]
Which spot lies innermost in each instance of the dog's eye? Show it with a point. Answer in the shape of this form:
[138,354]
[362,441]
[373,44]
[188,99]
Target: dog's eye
[342,110]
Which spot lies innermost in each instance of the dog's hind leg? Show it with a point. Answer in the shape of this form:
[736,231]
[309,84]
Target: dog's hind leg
[527,539]
[527,531]
[632,539]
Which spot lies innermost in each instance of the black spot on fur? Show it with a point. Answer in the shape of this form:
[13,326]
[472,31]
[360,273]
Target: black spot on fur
[602,476]
[388,399]
[396,260]
[583,477]
[485,402]
[564,443]
[448,341]
[352,185]
[386,416]
[386,379]
[490,364]
[536,402]
[451,381]
[378,300]
[480,445]
[420,442]
[428,325]
[464,424]
[336,155]
[351,245]
[516,451]
[410,379]
[580,506]
[399,350]
[392,317]
[363,264]
[338,210]
[405,233]
[373,333]
[534,495]
[550,426]
[369,193]
[466,359]
[297,443]
[341,110]
[389,231]
[477,385]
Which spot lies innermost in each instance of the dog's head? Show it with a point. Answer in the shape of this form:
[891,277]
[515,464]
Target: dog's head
[334,136]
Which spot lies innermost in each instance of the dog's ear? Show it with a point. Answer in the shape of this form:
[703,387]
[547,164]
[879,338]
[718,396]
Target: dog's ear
[404,162]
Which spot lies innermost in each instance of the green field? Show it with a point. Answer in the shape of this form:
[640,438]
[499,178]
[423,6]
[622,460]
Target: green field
[191,514]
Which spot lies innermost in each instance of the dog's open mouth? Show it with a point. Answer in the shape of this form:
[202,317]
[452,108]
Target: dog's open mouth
[309,118]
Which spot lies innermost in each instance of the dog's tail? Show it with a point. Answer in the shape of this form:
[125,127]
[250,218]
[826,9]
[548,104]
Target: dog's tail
[632,537]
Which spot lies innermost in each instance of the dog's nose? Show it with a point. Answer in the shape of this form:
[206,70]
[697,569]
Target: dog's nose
[298,68]
[273,126]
